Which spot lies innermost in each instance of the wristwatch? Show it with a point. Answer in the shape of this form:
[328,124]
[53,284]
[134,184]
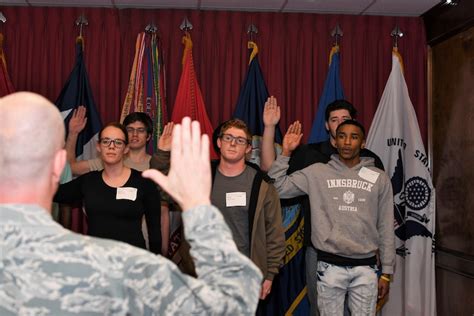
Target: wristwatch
[386,277]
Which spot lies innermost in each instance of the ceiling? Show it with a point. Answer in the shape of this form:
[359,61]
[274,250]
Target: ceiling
[367,7]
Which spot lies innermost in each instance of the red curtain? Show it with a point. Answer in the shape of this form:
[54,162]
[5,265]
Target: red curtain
[294,50]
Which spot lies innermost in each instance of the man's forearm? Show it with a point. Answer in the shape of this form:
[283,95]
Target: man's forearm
[268,148]
[71,142]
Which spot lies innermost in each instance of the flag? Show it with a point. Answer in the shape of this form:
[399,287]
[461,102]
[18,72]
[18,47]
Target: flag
[395,137]
[289,292]
[6,86]
[288,295]
[250,104]
[189,101]
[332,91]
[146,88]
[76,92]
[290,284]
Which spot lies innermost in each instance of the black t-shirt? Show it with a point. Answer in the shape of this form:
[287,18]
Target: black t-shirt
[116,213]
[309,154]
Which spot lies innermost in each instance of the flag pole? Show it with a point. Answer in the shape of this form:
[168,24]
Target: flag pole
[151,28]
[7,86]
[186,26]
[337,33]
[81,21]
[396,34]
[3,19]
[252,31]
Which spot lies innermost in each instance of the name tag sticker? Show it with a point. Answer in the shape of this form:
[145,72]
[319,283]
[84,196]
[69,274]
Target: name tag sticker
[126,193]
[369,175]
[235,199]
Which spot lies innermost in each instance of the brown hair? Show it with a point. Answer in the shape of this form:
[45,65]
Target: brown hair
[116,125]
[236,123]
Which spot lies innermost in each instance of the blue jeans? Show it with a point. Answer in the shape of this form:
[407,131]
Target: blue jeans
[359,282]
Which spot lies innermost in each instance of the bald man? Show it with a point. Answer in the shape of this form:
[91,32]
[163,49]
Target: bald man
[46,269]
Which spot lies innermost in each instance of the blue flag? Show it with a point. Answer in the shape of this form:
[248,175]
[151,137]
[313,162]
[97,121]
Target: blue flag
[288,295]
[76,92]
[250,105]
[332,91]
[289,292]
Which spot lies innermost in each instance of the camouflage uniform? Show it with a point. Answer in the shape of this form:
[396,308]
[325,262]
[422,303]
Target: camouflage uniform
[48,270]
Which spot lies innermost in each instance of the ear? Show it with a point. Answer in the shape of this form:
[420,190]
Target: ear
[97,147]
[327,125]
[219,143]
[148,138]
[126,150]
[59,162]
[248,149]
[362,146]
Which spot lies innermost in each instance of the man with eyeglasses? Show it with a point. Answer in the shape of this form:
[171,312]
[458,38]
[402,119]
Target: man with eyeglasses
[249,203]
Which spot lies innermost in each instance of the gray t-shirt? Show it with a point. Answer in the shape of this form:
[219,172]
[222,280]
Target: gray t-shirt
[231,195]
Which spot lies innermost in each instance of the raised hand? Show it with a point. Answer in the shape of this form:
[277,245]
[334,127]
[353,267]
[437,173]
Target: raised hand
[164,143]
[271,112]
[189,151]
[292,138]
[78,120]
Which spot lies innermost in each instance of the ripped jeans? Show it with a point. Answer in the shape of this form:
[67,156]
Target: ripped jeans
[359,282]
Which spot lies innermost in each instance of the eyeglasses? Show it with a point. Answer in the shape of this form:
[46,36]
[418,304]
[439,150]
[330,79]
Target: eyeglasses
[238,140]
[140,130]
[106,142]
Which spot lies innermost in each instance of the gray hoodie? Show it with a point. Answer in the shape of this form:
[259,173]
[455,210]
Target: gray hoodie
[351,208]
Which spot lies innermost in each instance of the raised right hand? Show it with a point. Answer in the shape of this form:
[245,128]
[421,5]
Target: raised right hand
[271,112]
[78,120]
[189,178]
[164,143]
[292,138]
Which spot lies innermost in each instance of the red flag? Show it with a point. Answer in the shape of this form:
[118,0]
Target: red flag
[6,86]
[189,101]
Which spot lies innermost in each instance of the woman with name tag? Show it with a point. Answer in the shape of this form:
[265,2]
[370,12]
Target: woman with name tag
[116,198]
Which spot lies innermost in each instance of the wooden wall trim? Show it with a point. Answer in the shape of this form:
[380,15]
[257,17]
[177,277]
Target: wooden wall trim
[455,263]
[443,21]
